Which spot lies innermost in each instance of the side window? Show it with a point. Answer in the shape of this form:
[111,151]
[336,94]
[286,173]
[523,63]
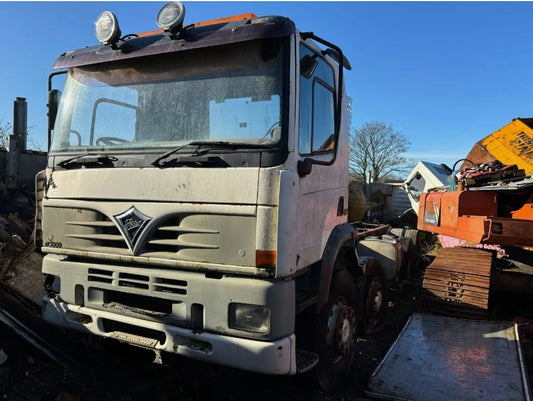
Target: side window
[317,106]
[416,186]
[323,118]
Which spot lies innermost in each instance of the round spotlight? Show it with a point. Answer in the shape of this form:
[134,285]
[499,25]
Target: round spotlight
[106,28]
[170,17]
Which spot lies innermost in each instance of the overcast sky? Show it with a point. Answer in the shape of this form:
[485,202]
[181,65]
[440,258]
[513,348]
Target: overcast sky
[445,74]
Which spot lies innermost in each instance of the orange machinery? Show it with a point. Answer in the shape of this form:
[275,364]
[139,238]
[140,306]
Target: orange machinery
[495,223]
[481,217]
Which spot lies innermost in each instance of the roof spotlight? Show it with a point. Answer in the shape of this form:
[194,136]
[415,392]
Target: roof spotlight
[106,28]
[170,17]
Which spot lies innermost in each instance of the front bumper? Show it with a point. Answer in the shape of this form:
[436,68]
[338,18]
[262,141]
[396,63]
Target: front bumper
[269,357]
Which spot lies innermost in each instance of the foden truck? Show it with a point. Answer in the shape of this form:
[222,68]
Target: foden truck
[195,199]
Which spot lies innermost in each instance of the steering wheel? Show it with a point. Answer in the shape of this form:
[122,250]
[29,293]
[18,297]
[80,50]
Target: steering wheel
[109,140]
[77,135]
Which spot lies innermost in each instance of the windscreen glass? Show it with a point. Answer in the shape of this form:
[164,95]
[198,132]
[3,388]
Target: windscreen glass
[230,93]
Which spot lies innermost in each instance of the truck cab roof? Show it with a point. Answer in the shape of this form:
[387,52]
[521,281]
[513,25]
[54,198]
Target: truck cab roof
[190,37]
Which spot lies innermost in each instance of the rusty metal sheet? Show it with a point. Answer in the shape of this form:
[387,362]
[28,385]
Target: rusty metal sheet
[442,358]
[511,144]
[457,283]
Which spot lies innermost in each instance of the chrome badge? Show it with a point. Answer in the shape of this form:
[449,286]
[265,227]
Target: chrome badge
[131,223]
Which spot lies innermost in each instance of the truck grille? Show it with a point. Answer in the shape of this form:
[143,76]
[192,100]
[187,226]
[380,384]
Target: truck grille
[180,236]
[101,232]
[165,238]
[155,284]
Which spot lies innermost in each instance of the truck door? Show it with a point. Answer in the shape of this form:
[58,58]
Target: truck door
[323,188]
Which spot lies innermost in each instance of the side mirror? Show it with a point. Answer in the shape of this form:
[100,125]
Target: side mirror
[53,104]
[305,166]
[335,56]
[308,66]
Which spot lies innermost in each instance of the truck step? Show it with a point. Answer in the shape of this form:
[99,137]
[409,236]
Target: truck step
[305,360]
[457,283]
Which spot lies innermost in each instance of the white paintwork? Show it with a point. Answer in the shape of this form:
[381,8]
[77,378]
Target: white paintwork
[435,177]
[287,221]
[271,357]
[319,192]
[183,184]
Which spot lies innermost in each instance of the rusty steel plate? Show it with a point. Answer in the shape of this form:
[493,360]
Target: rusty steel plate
[441,358]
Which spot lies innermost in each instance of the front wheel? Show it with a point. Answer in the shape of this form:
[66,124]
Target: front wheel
[336,332]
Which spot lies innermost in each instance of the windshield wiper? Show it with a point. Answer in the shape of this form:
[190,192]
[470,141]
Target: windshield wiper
[87,158]
[172,151]
[212,145]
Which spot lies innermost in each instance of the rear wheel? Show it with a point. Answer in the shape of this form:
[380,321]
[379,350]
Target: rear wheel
[336,332]
[373,298]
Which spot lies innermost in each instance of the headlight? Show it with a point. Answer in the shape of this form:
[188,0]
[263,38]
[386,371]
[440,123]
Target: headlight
[252,318]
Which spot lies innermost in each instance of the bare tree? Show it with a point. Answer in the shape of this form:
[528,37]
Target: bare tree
[379,150]
[5,131]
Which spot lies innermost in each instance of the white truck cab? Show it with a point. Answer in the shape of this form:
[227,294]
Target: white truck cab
[195,199]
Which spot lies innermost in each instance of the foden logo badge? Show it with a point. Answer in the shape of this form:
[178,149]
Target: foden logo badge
[53,244]
[131,224]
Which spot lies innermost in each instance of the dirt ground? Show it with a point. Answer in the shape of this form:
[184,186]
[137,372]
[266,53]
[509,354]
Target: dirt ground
[97,370]
[82,368]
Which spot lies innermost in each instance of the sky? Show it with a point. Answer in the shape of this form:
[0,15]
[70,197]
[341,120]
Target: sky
[444,74]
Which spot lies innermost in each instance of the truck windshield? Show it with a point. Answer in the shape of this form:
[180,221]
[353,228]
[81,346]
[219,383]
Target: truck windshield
[227,93]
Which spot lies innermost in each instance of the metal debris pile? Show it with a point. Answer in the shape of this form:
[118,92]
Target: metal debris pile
[19,263]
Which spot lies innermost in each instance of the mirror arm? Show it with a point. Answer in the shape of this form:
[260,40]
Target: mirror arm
[55,92]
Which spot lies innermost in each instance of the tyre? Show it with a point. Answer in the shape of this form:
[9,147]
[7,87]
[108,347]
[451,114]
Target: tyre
[409,239]
[373,300]
[413,252]
[408,259]
[336,330]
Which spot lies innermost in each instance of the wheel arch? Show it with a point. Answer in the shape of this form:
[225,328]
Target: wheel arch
[339,251]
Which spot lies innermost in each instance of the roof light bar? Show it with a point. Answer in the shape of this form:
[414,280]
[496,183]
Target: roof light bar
[106,28]
[170,17]
[225,19]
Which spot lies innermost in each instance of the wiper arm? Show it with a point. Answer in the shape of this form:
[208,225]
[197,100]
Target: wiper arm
[197,161]
[172,151]
[212,145]
[86,158]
